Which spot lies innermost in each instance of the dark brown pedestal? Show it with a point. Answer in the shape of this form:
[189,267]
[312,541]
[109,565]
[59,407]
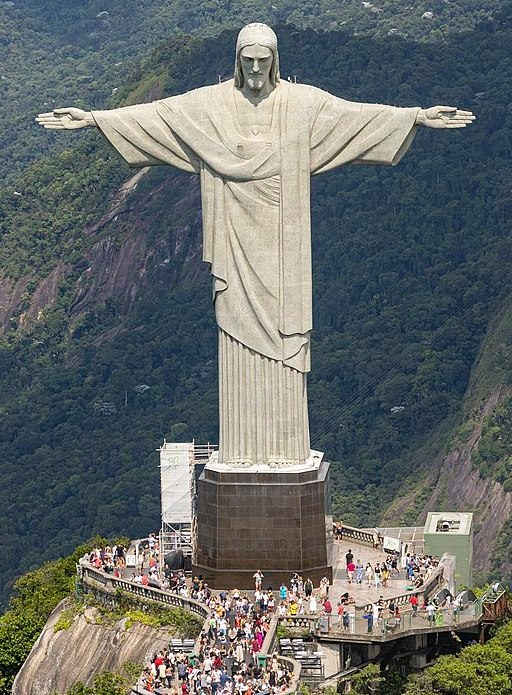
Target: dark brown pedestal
[275,522]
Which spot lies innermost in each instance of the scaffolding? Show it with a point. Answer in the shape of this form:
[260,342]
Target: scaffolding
[180,466]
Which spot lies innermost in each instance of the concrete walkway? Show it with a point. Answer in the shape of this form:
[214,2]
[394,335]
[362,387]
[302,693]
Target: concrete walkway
[362,593]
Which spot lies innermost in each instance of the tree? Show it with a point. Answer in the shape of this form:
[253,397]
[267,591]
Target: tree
[477,670]
[366,681]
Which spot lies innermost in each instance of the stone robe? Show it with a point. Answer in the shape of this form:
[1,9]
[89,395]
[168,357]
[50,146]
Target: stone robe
[256,220]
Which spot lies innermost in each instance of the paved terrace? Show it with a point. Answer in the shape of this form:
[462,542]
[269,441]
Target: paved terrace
[398,589]
[362,593]
[361,545]
[384,629]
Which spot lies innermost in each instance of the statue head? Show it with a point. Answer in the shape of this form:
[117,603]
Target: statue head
[256,35]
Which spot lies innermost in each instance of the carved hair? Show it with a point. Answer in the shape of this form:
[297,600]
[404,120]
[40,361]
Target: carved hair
[264,36]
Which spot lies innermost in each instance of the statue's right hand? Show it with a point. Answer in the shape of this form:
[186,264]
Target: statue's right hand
[65,119]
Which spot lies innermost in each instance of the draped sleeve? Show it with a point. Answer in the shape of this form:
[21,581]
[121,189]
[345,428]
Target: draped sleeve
[143,137]
[345,132]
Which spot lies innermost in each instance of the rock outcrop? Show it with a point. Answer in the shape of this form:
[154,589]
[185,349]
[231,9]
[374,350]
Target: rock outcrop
[122,263]
[78,653]
[460,486]
[455,484]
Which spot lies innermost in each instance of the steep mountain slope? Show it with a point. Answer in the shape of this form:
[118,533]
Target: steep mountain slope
[109,341]
[473,470]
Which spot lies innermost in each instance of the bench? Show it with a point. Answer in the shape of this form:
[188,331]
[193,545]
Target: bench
[182,645]
[312,668]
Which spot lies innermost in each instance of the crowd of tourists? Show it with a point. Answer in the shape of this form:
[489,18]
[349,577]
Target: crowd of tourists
[416,568]
[212,673]
[109,559]
[225,661]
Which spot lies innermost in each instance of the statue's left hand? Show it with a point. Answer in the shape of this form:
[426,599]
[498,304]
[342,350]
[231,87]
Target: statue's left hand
[444,117]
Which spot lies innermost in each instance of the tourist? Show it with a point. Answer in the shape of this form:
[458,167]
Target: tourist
[308,587]
[283,592]
[340,611]
[368,573]
[384,574]
[258,579]
[346,619]
[376,576]
[313,604]
[324,587]
[359,572]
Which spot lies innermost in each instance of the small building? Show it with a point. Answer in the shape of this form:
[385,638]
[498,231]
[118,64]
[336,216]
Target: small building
[452,533]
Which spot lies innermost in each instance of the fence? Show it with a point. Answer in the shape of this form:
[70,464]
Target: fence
[363,626]
[358,535]
[96,580]
[433,583]
[410,621]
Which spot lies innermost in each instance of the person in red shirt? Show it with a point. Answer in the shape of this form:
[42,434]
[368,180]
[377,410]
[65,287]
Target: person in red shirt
[414,603]
[327,608]
[351,568]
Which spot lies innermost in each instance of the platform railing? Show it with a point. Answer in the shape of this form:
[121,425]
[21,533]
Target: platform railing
[361,623]
[95,580]
[358,535]
[430,586]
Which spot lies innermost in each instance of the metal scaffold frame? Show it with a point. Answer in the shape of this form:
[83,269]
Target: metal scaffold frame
[180,465]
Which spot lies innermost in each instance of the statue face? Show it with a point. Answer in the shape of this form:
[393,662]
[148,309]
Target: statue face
[256,63]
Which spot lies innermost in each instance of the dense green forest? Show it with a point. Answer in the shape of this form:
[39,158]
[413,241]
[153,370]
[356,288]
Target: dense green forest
[55,53]
[410,266]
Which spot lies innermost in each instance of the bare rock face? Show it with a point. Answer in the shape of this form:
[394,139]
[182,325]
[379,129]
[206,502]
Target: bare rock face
[122,263]
[454,484]
[11,298]
[80,652]
[460,486]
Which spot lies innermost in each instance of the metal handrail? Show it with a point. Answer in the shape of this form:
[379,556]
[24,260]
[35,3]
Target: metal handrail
[388,628]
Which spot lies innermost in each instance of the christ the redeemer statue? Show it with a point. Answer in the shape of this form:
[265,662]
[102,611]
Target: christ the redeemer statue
[255,141]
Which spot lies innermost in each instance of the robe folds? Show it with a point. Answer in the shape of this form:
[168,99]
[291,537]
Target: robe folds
[255,194]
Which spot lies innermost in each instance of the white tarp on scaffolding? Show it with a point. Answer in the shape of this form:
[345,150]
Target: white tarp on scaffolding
[175,468]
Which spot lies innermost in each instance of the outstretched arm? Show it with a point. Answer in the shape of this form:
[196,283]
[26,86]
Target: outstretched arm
[444,117]
[66,119]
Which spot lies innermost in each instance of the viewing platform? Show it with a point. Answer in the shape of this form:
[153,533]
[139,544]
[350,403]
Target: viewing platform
[370,635]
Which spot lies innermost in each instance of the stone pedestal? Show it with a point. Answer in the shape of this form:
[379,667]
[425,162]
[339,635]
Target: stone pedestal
[277,522]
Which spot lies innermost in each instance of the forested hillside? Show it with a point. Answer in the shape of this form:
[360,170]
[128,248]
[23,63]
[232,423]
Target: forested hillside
[80,52]
[109,341]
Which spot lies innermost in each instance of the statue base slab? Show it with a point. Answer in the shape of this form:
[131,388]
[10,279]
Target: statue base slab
[277,522]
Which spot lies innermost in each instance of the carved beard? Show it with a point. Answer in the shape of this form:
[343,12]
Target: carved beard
[255,82]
